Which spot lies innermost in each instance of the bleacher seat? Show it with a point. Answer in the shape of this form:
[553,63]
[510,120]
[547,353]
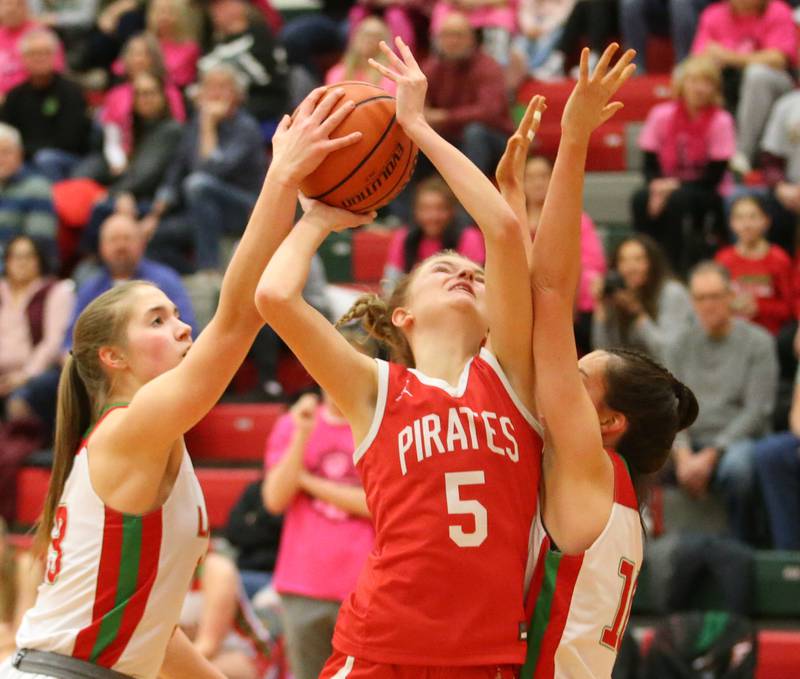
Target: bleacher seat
[370,249]
[221,488]
[233,433]
[607,146]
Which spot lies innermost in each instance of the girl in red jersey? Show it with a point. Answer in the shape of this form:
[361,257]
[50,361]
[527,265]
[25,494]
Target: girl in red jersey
[610,417]
[125,517]
[447,449]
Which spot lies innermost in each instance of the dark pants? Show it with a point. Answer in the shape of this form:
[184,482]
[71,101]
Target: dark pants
[596,21]
[689,228]
[777,460]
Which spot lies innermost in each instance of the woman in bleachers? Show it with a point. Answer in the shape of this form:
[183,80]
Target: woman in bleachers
[397,15]
[434,228]
[35,310]
[142,55]
[540,27]
[639,305]
[687,143]
[761,273]
[169,22]
[538,171]
[363,46]
[755,43]
[156,136]
[495,19]
[327,533]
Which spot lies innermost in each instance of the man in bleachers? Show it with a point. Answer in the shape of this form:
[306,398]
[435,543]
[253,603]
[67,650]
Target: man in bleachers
[731,365]
[48,109]
[26,198]
[121,248]
[216,176]
[15,22]
[467,102]
[249,47]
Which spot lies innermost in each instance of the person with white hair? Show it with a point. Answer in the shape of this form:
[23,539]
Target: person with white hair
[215,176]
[48,109]
[26,199]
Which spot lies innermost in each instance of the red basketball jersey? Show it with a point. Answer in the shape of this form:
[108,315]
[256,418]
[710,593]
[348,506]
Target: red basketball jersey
[451,476]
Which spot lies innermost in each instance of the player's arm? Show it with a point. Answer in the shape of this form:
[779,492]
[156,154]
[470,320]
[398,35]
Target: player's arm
[349,377]
[172,403]
[561,395]
[183,661]
[508,296]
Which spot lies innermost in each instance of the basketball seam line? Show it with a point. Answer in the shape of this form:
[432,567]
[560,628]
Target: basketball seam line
[359,166]
[375,98]
[411,156]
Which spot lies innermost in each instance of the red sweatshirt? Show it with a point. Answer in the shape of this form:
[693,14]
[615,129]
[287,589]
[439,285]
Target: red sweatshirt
[768,279]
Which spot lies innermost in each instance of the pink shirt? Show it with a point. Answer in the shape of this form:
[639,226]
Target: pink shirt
[774,29]
[12,71]
[335,74]
[482,17]
[593,263]
[720,140]
[16,347]
[323,549]
[470,245]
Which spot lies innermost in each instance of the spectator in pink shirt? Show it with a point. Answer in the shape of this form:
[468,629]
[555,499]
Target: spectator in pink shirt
[593,261]
[363,46]
[687,143]
[396,13]
[15,22]
[142,55]
[168,21]
[434,229]
[327,532]
[495,19]
[755,43]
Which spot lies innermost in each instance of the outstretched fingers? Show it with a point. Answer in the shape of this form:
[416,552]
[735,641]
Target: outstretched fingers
[601,68]
[584,66]
[384,71]
[622,70]
[307,106]
[396,62]
[406,53]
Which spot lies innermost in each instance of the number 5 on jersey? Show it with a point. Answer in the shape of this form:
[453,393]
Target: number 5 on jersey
[453,482]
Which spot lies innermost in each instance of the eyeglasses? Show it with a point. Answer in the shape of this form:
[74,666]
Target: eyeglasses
[710,296]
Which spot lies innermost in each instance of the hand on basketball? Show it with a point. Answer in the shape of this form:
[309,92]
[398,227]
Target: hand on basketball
[333,218]
[411,83]
[588,107]
[510,173]
[302,140]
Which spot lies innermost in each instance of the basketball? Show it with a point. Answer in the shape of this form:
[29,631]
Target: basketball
[370,173]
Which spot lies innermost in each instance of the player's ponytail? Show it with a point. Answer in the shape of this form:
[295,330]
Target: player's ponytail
[73,417]
[83,390]
[656,405]
[375,314]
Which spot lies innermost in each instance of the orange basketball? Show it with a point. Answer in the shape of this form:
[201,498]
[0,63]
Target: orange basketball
[371,172]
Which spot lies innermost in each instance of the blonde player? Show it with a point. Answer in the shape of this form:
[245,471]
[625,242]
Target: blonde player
[609,417]
[125,517]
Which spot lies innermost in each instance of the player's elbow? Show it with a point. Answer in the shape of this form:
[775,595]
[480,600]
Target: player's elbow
[272,299]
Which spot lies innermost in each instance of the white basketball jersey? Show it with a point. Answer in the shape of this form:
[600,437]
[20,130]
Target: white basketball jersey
[115,582]
[578,605]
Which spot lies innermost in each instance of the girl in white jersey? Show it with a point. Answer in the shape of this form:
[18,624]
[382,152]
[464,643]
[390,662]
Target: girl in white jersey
[124,516]
[609,417]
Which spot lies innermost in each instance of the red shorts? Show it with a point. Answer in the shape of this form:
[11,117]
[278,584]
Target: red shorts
[340,666]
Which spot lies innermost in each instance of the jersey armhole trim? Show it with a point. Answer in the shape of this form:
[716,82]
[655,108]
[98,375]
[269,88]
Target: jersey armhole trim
[491,360]
[380,407]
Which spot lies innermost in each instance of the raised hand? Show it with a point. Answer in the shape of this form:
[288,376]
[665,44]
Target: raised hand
[302,140]
[510,171]
[334,218]
[411,83]
[588,106]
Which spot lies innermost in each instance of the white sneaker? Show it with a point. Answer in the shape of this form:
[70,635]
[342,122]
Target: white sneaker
[739,163]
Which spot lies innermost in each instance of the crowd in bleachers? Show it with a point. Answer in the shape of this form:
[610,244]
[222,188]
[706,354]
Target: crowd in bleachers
[135,134]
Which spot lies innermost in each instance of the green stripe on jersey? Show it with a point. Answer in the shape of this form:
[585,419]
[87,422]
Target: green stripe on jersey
[541,615]
[126,583]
